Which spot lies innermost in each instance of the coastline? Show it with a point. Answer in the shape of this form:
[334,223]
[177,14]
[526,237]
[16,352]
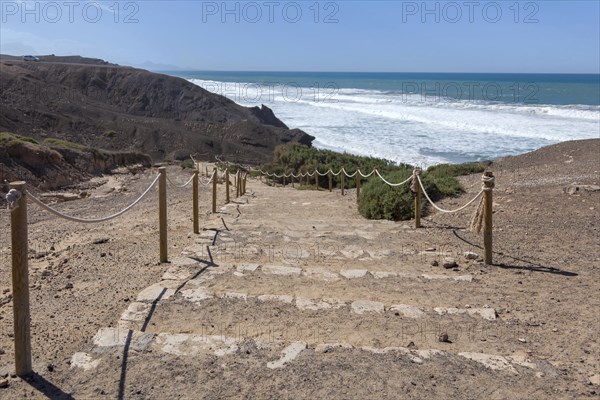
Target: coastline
[432,119]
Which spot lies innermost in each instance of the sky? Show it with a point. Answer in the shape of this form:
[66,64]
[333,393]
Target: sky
[544,36]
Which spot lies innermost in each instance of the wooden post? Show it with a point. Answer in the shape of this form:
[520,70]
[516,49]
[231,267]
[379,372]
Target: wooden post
[342,183]
[195,201]
[206,169]
[20,283]
[284,183]
[162,213]
[292,179]
[237,183]
[227,186]
[330,181]
[357,185]
[417,205]
[245,181]
[214,191]
[316,180]
[487,216]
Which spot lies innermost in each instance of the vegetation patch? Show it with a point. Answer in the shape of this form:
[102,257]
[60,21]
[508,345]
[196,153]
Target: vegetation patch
[377,200]
[65,144]
[7,139]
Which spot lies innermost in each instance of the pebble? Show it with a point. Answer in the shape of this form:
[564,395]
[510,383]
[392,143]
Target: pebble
[4,384]
[444,338]
[449,262]
[469,255]
[69,286]
[522,340]
[434,263]
[50,367]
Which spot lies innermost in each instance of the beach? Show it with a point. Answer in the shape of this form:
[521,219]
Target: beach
[366,307]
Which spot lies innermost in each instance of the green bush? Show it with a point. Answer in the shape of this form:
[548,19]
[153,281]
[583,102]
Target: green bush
[185,164]
[378,200]
[65,144]
[11,138]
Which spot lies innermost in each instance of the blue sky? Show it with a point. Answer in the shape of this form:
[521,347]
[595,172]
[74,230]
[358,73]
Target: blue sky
[398,36]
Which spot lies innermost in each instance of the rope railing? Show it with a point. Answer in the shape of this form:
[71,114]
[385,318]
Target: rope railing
[92,220]
[17,198]
[180,186]
[482,216]
[441,209]
[342,170]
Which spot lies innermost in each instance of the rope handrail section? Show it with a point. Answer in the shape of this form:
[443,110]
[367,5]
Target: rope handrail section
[366,176]
[441,209]
[393,184]
[348,175]
[209,181]
[92,220]
[180,186]
[342,170]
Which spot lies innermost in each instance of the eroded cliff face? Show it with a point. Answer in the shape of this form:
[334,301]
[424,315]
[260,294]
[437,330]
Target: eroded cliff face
[53,167]
[120,108]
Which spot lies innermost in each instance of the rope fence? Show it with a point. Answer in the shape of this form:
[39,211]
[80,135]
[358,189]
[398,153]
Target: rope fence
[482,218]
[17,198]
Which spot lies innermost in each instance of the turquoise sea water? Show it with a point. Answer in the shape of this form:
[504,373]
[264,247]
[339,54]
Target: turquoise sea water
[421,118]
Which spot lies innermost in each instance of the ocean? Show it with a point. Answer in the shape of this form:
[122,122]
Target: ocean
[421,118]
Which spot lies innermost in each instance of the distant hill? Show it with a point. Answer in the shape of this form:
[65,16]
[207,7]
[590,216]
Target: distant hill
[103,105]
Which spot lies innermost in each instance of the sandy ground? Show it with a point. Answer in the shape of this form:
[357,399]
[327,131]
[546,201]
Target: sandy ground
[292,294]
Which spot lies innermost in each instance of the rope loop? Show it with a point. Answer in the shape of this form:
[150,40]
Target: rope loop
[12,198]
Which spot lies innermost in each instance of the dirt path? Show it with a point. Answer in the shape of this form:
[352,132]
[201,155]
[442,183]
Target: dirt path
[293,295]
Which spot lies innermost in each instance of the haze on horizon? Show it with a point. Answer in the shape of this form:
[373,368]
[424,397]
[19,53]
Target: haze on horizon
[341,36]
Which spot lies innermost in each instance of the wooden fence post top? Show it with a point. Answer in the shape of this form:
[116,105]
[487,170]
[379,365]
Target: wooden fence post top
[162,169]
[17,184]
[488,180]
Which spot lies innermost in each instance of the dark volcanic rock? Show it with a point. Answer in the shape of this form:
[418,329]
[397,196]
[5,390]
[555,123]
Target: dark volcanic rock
[96,104]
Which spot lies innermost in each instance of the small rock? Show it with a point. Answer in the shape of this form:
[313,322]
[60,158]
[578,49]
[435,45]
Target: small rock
[69,286]
[595,379]
[50,367]
[449,262]
[102,254]
[469,255]
[554,330]
[5,290]
[434,263]
[443,338]
[522,340]
[4,384]
[430,249]
[101,241]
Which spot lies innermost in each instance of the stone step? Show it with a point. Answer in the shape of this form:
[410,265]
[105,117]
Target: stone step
[278,354]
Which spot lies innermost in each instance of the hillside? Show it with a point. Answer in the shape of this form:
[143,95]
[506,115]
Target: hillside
[101,105]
